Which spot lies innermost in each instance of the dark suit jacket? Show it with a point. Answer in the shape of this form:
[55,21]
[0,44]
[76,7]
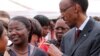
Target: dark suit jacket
[1,54]
[88,43]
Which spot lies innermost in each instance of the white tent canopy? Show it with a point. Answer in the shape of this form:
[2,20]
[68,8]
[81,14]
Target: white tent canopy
[94,9]
[7,5]
[49,8]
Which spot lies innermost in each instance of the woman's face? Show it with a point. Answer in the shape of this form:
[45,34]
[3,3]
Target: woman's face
[45,30]
[3,41]
[18,33]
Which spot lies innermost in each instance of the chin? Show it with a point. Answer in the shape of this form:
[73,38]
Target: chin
[71,26]
[16,43]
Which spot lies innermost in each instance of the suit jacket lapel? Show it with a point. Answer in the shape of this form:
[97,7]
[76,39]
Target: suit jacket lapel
[84,34]
[70,40]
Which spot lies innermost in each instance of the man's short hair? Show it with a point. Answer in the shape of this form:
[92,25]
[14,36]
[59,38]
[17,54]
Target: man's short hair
[82,3]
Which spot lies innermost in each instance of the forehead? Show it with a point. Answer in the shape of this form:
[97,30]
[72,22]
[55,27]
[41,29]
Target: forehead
[60,23]
[45,27]
[4,19]
[15,23]
[64,4]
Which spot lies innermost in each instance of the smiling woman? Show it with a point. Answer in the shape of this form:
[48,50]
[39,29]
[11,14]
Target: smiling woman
[19,31]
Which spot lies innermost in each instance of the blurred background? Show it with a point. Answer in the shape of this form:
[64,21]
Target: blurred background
[50,8]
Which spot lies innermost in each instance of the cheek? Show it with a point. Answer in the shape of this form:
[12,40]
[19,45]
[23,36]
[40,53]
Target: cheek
[67,16]
[34,39]
[66,30]
[24,32]
[71,17]
[5,39]
[55,30]
[23,35]
[3,42]
[44,31]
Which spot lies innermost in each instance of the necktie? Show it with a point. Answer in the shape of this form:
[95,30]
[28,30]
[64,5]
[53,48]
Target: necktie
[77,33]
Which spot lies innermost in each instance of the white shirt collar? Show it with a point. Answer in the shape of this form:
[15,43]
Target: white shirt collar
[84,23]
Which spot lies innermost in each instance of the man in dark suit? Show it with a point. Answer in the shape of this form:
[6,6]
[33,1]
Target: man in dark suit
[85,43]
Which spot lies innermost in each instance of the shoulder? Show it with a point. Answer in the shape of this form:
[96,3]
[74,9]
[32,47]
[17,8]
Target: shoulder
[96,27]
[9,52]
[69,33]
[94,23]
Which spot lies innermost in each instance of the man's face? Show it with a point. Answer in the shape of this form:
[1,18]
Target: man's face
[60,28]
[67,9]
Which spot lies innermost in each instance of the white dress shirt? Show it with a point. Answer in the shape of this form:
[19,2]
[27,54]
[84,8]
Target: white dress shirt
[84,24]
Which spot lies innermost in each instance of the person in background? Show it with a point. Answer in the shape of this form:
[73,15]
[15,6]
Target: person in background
[60,28]
[3,39]
[4,24]
[4,16]
[44,22]
[51,34]
[20,33]
[36,33]
[6,28]
[97,18]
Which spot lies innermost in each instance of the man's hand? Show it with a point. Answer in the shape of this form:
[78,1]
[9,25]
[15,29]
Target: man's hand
[54,51]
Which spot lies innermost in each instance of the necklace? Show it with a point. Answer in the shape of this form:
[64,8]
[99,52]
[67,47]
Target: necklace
[21,53]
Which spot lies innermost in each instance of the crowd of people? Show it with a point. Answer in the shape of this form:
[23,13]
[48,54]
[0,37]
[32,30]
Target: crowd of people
[73,33]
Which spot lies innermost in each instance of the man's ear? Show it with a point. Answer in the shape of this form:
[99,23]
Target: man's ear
[77,8]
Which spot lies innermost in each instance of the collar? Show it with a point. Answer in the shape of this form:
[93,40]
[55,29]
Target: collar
[84,23]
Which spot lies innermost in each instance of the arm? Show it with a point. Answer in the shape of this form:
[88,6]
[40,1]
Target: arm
[54,51]
[95,50]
